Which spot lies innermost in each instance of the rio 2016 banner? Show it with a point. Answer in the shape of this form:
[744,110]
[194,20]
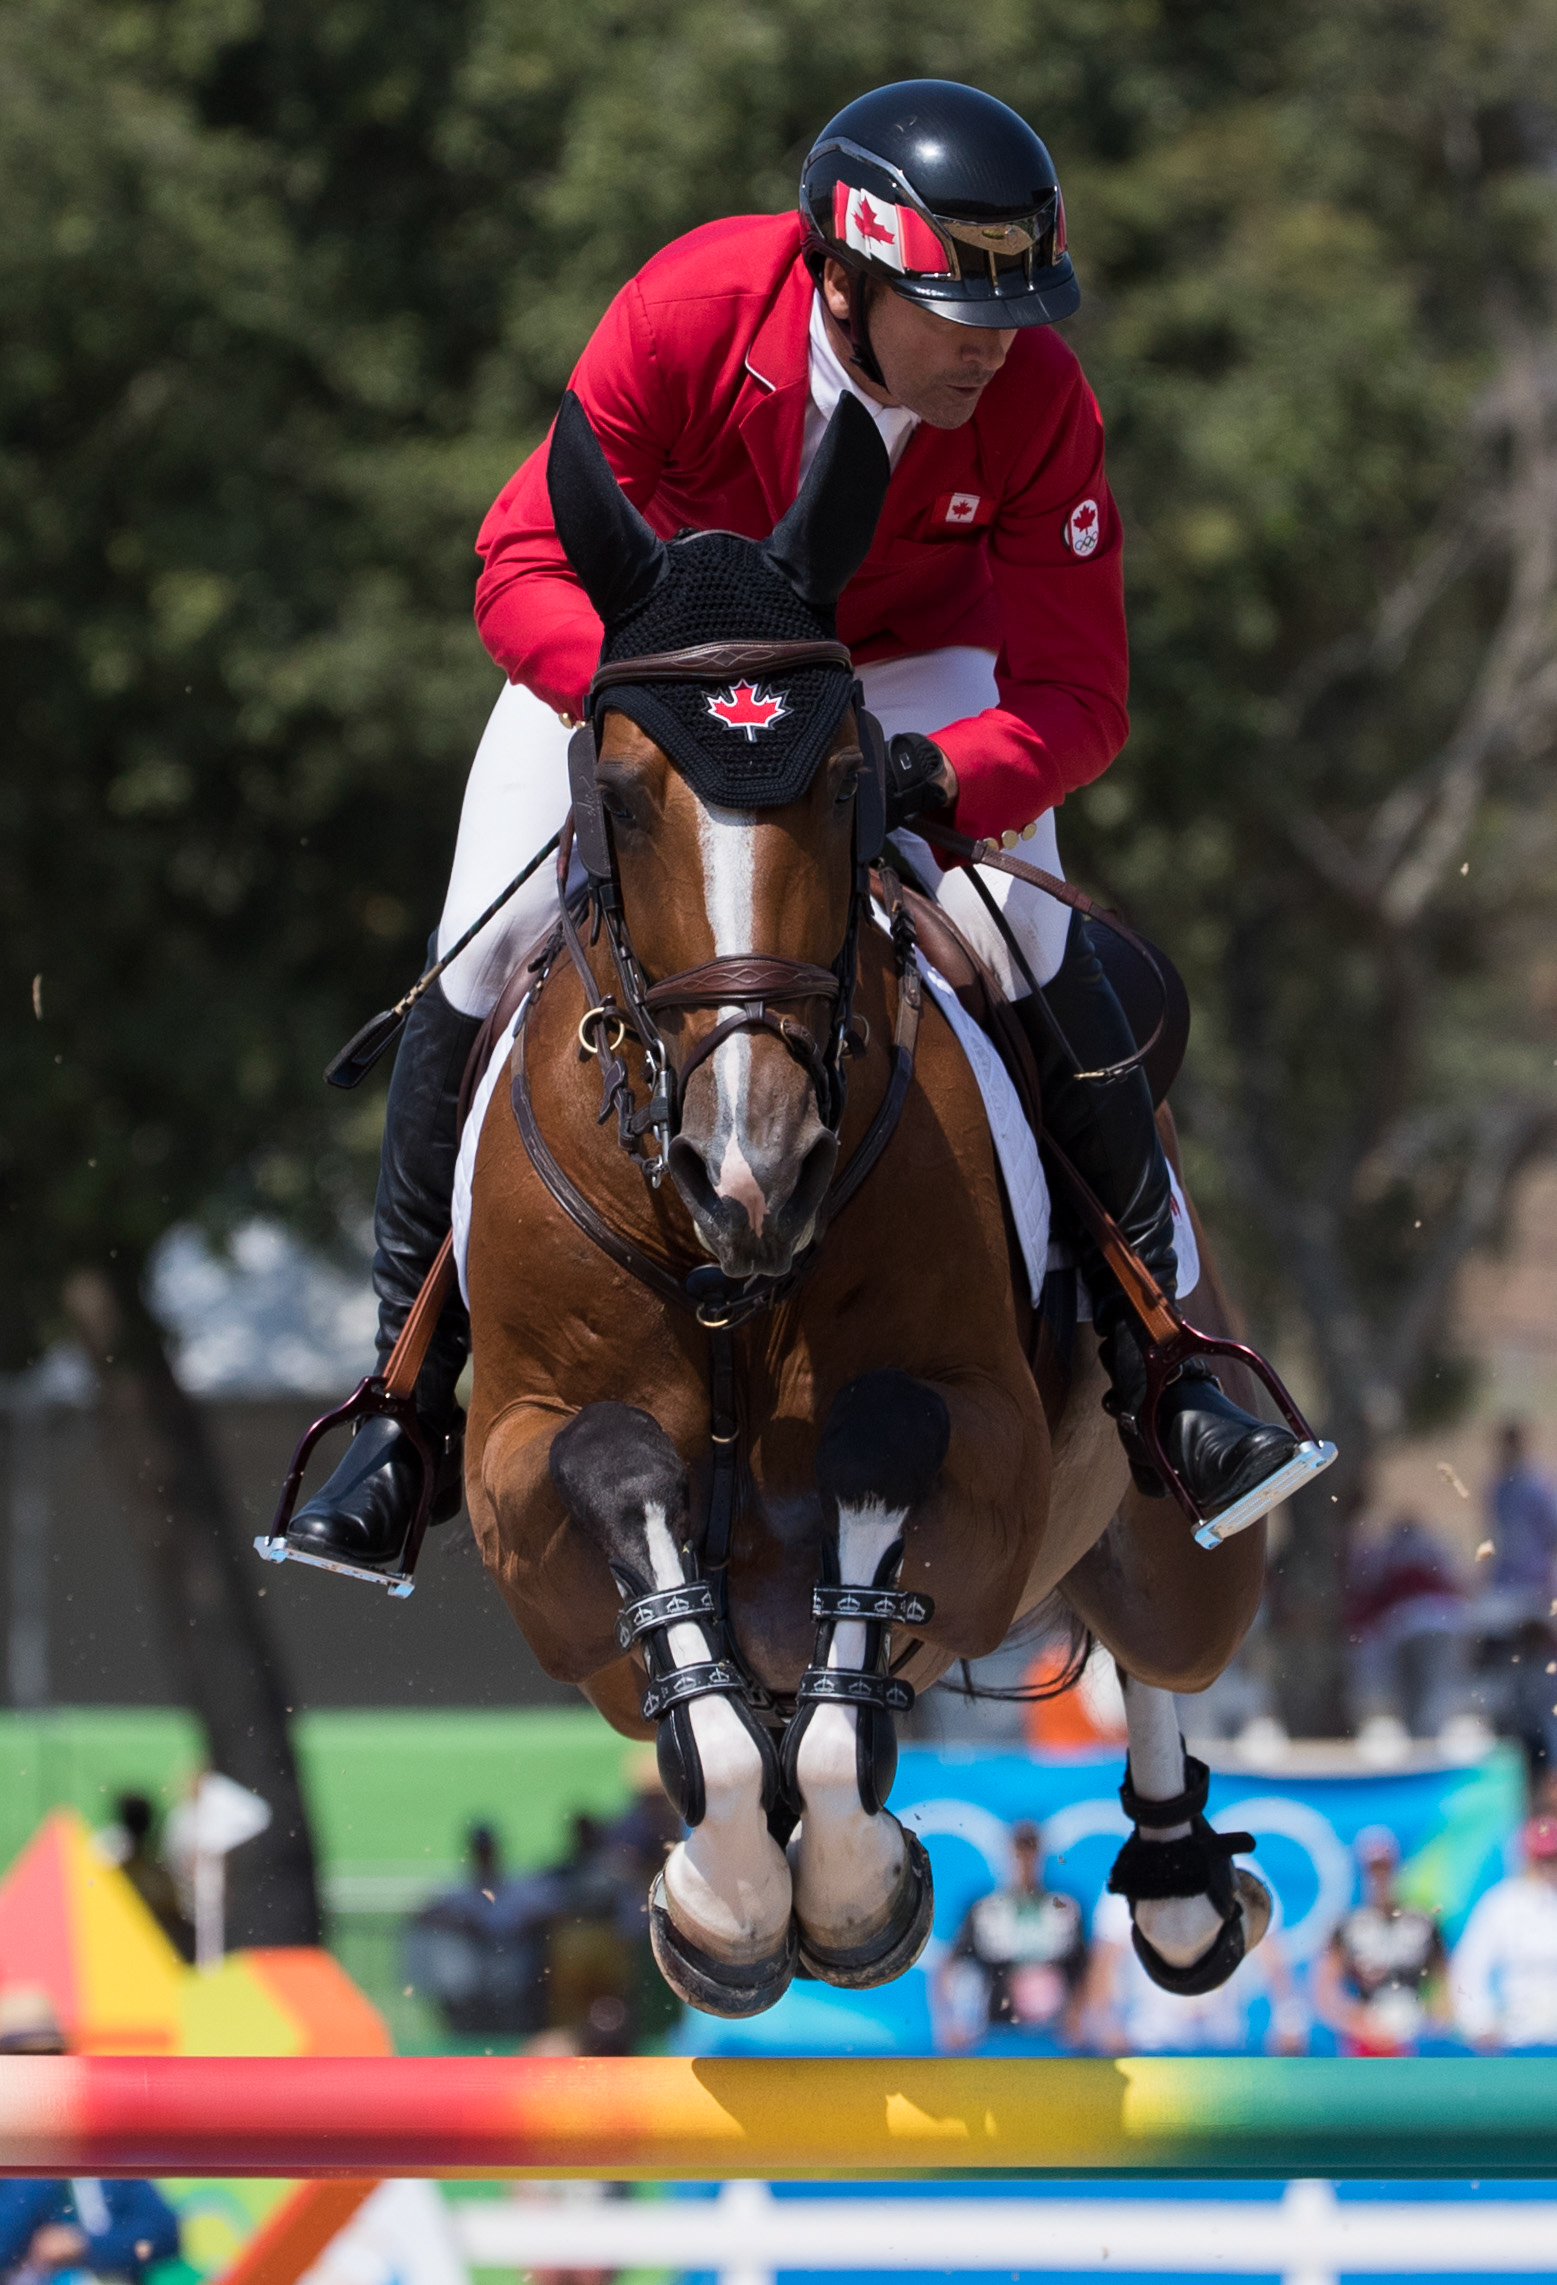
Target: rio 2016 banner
[1456,1828]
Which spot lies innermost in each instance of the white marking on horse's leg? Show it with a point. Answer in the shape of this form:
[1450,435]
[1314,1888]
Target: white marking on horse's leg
[727,1884]
[727,839]
[847,1864]
[1181,1928]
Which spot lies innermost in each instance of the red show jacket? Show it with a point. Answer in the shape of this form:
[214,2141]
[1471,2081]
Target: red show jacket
[697,381]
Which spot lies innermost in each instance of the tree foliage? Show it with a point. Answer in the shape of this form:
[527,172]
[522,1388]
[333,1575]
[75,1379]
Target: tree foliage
[288,291]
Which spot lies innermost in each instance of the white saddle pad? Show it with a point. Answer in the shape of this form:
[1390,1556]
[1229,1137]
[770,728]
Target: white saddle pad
[470,1142]
[1020,1166]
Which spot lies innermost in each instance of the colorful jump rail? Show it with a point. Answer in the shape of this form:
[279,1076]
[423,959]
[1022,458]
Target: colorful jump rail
[649,2117]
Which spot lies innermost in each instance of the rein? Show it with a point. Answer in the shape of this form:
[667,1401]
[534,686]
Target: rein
[721,1306]
[1000,860]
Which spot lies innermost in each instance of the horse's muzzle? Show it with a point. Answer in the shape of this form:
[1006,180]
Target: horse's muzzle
[755,1208]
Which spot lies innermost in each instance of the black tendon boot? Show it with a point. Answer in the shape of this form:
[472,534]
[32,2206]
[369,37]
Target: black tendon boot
[1198,1863]
[1107,1130]
[875,1696]
[881,1452]
[621,1480]
[364,1512]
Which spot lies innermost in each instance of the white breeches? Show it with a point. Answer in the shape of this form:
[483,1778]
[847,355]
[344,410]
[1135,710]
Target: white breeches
[517,796]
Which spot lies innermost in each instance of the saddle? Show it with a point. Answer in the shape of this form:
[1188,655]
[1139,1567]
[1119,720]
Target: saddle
[982,996]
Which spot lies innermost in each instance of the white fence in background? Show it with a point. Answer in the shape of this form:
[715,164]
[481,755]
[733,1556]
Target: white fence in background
[1308,2236]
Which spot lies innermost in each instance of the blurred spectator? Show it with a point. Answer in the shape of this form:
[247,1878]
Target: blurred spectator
[1380,1980]
[479,1950]
[106,2229]
[596,1924]
[1503,1974]
[128,1843]
[1406,1614]
[1523,1525]
[635,1847]
[1019,1958]
[642,1837]
[1125,2013]
[1525,1704]
[1514,1645]
[559,1956]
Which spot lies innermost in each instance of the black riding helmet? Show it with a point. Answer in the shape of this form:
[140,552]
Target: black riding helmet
[949,197]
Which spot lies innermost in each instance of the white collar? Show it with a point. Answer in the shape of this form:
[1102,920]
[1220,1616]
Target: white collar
[829,378]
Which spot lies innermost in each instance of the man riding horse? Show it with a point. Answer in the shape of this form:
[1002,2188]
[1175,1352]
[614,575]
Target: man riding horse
[921,276]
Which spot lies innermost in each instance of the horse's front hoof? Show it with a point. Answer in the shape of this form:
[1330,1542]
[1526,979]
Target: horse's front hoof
[717,1987]
[1244,1927]
[888,1954]
[1254,1897]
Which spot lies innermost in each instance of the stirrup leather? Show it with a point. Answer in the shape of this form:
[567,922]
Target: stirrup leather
[390,1392]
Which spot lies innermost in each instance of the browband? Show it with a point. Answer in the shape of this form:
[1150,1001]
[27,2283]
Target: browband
[718,662]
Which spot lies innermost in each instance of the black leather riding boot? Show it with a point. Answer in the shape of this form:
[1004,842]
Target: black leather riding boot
[1107,1130]
[363,1513]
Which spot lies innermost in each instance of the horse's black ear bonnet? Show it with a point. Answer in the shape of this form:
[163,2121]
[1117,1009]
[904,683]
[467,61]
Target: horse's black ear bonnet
[749,743]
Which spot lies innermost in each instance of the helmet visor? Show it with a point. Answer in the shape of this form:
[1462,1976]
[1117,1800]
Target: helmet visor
[1024,242]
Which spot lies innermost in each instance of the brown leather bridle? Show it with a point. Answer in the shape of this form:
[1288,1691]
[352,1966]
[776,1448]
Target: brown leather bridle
[752,984]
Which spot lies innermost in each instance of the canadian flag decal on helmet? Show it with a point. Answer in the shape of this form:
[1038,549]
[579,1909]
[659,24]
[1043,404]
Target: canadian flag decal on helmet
[1081,528]
[895,235]
[745,707]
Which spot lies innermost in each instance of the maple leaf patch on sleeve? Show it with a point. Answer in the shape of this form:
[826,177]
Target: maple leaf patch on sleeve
[1082,526]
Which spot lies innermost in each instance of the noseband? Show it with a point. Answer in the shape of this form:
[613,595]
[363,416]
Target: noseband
[751,983]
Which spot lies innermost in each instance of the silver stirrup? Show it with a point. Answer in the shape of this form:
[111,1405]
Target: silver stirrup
[274,1548]
[1309,1460]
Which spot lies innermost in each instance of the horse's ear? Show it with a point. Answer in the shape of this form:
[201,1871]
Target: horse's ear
[618,558]
[826,535]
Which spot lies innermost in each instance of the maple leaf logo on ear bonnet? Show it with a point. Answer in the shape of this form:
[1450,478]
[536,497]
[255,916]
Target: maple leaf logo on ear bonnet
[746,708]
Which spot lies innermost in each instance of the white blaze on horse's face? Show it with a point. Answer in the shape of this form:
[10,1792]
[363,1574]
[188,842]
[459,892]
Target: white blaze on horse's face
[728,838]
[753,1157]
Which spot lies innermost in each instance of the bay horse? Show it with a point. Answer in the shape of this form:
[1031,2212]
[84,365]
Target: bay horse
[755,1448]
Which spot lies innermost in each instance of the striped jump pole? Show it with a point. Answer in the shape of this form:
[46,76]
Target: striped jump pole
[653,2117]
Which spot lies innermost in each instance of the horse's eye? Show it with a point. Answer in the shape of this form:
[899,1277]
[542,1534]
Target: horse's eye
[614,805]
[848,787]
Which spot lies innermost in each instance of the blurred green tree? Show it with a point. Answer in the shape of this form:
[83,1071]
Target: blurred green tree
[289,291]
[239,692]
[1327,354]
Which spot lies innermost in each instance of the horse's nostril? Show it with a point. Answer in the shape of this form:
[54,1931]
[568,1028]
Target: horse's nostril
[689,1172]
[816,1171]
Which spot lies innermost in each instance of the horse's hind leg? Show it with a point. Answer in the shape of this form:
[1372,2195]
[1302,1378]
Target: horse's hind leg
[863,1894]
[719,1913]
[1193,1914]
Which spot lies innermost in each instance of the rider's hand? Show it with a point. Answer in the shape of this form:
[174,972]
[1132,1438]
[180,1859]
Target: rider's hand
[919,777]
